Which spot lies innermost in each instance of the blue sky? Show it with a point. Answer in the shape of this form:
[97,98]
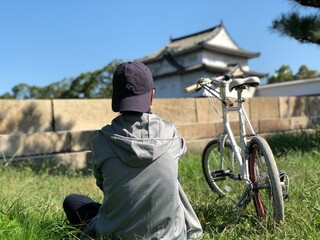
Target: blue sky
[46,41]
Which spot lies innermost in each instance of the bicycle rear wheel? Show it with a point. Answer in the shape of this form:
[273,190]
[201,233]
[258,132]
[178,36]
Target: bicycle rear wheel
[218,165]
[264,175]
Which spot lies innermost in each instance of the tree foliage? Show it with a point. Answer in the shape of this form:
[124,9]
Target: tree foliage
[304,73]
[305,29]
[284,73]
[97,84]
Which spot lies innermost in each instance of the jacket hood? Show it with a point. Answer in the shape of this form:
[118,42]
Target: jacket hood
[138,139]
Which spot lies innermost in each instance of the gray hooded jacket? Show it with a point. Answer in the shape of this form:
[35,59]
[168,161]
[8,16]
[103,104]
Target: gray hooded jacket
[135,162]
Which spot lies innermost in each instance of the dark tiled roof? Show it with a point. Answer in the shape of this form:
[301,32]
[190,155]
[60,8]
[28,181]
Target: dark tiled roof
[189,41]
[196,41]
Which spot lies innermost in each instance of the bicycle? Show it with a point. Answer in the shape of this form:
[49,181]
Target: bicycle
[227,164]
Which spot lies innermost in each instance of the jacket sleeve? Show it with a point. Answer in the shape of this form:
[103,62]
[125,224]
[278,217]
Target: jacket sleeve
[194,229]
[95,170]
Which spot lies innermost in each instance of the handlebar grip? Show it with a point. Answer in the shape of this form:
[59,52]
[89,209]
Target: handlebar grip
[193,88]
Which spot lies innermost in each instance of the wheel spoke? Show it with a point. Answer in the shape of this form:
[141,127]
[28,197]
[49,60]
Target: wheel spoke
[219,167]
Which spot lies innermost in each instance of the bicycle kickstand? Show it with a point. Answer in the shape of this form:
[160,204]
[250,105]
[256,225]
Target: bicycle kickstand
[243,202]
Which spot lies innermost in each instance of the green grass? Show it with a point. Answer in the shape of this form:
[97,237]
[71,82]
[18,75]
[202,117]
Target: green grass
[31,201]
[303,141]
[302,211]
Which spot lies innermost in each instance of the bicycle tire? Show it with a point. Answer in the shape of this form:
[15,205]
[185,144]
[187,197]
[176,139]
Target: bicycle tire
[264,175]
[212,161]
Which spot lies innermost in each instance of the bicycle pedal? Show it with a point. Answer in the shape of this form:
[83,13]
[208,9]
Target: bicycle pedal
[282,176]
[284,184]
[218,175]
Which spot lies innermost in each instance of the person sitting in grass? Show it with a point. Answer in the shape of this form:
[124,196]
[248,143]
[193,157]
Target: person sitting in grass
[135,163]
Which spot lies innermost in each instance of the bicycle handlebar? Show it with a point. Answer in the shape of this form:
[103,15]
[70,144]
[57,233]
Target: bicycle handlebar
[193,88]
[206,81]
[197,86]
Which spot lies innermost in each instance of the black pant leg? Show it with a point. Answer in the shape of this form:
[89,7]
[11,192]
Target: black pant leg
[80,209]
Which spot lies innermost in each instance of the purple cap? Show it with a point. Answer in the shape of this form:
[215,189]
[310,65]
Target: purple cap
[132,87]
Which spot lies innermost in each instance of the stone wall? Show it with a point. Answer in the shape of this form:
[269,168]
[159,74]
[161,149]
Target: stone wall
[60,130]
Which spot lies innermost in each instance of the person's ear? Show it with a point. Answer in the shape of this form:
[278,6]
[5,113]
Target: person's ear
[152,95]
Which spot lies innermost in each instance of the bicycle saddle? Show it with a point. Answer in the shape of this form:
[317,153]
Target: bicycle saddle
[244,82]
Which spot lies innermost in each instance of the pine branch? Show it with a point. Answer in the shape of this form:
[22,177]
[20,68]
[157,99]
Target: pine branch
[309,3]
[305,29]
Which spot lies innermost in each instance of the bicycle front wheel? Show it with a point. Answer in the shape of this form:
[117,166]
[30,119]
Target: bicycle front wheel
[264,175]
[218,164]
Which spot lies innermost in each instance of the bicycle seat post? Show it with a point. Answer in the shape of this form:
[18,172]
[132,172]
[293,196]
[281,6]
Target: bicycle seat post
[242,129]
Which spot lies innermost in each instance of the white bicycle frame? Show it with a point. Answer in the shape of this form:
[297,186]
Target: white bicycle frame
[242,152]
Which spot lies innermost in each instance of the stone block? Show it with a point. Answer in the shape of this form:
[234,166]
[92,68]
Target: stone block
[208,110]
[235,127]
[15,145]
[300,123]
[177,111]
[274,125]
[27,128]
[82,114]
[264,108]
[81,141]
[255,126]
[234,116]
[197,146]
[73,160]
[314,106]
[25,116]
[197,131]
[219,128]
[293,107]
